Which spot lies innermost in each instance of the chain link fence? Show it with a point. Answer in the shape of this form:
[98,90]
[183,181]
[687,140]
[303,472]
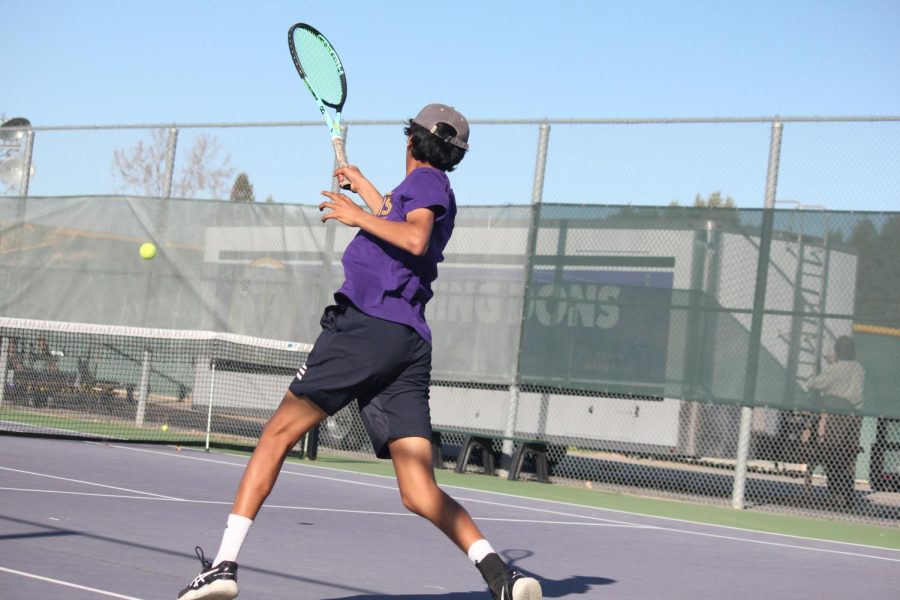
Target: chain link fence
[830,162]
[739,356]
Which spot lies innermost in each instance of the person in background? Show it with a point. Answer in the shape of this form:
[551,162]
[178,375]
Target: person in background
[841,386]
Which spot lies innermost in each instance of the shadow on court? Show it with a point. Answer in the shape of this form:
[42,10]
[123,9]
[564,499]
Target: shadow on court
[44,530]
[22,536]
[552,588]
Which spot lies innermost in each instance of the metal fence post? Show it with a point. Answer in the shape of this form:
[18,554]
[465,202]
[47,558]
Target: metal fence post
[537,194]
[26,166]
[170,162]
[540,167]
[759,304]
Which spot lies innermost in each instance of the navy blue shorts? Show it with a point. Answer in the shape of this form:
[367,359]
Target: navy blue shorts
[386,366]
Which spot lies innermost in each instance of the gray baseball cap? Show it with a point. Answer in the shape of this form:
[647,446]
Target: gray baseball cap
[433,114]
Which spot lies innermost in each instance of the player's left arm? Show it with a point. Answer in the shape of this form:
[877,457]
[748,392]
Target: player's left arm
[411,235]
[360,185]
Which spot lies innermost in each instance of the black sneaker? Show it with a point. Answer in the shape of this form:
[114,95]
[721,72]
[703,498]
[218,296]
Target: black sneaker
[213,584]
[520,587]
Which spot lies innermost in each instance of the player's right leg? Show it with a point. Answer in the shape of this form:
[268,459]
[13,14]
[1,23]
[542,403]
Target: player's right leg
[295,416]
[333,375]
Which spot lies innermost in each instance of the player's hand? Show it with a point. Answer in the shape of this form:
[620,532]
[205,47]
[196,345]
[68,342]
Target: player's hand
[342,208]
[352,174]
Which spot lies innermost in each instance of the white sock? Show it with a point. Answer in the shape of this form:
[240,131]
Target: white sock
[233,538]
[478,550]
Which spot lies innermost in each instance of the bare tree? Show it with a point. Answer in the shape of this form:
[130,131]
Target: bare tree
[715,200]
[142,168]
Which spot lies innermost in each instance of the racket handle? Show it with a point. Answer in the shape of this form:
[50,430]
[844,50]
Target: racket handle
[340,153]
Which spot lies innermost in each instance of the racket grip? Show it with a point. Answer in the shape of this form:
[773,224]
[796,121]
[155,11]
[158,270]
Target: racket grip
[340,153]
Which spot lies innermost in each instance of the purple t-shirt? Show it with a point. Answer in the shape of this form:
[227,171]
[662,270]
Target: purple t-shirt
[387,282]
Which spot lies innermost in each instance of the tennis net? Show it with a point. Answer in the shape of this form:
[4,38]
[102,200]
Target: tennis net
[138,384]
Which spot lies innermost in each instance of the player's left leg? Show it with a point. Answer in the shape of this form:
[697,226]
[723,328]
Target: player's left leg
[421,495]
[295,416]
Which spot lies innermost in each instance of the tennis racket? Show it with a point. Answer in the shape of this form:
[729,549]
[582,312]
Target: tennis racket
[322,72]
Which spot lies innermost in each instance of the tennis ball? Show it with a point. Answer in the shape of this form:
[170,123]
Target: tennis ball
[148,251]
[165,427]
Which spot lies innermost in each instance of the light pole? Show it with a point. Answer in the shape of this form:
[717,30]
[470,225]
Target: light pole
[16,169]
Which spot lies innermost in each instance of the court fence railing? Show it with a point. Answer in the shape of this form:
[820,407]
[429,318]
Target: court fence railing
[671,350]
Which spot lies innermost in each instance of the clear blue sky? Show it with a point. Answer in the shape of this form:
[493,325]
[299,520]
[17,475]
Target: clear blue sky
[87,62]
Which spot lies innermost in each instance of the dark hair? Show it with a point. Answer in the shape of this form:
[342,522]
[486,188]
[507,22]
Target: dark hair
[431,148]
[845,348]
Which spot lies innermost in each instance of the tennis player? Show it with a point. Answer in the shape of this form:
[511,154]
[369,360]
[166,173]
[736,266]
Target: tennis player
[375,347]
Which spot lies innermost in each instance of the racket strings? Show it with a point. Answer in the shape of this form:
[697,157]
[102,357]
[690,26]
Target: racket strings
[320,65]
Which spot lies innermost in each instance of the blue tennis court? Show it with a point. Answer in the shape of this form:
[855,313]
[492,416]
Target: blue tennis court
[84,520]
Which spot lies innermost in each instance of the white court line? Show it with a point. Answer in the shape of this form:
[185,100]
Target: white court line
[40,428]
[589,517]
[494,519]
[306,508]
[560,513]
[67,584]
[392,488]
[111,487]
[778,544]
[67,493]
[562,503]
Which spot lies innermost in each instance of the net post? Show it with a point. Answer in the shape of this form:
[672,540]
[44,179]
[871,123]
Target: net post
[4,365]
[143,391]
[312,443]
[759,302]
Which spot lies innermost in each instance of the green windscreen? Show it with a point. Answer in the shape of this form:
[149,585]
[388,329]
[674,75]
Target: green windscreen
[729,307]
[671,303]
